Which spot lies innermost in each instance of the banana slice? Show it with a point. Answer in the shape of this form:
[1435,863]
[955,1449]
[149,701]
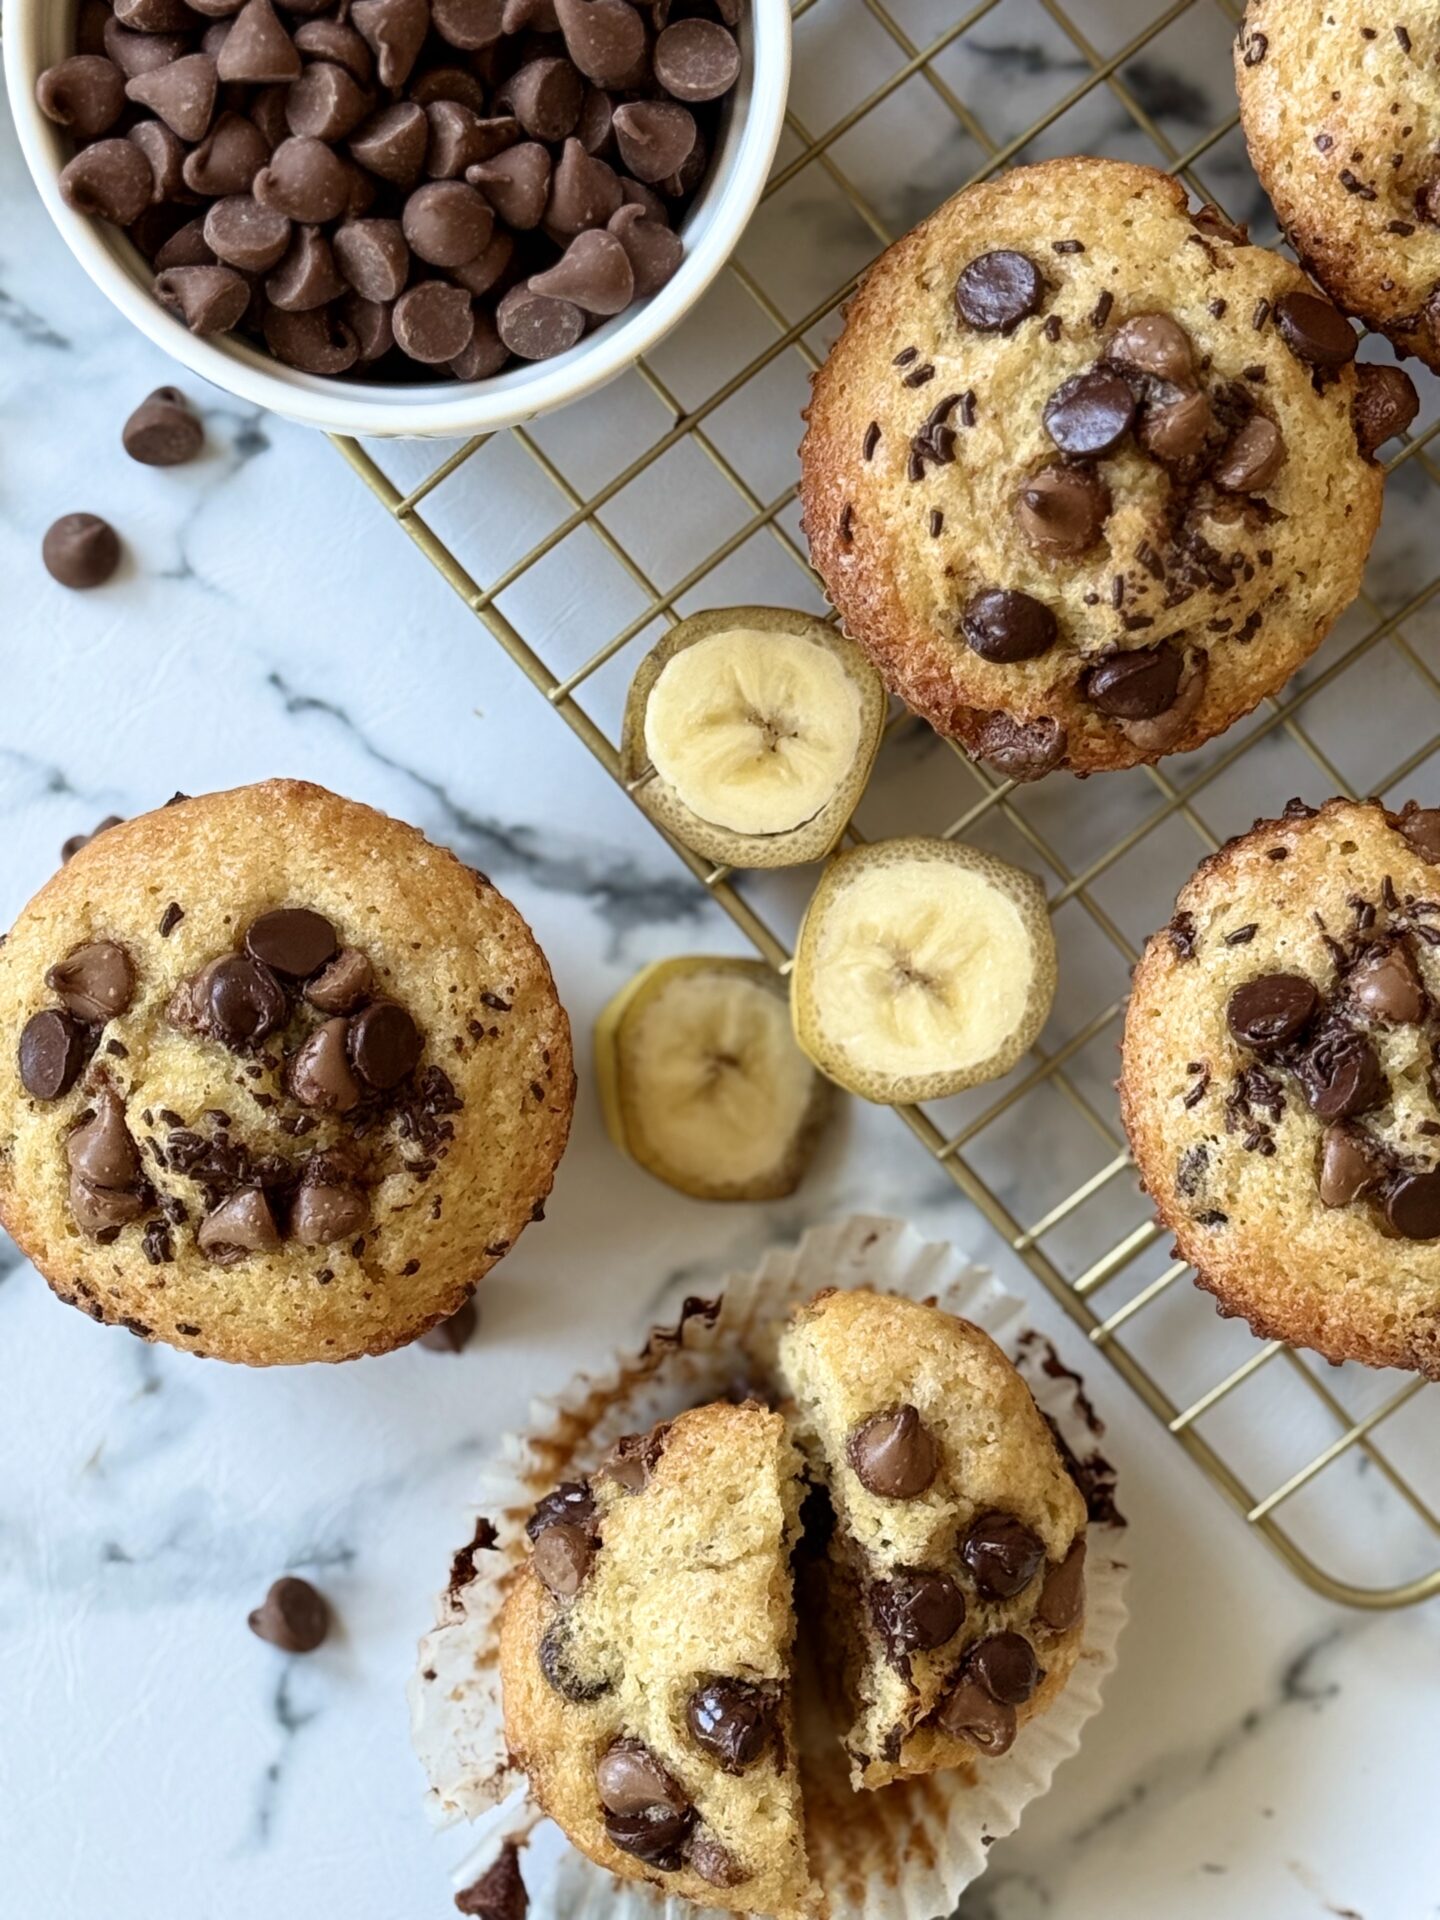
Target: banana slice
[749,734]
[922,968]
[702,1083]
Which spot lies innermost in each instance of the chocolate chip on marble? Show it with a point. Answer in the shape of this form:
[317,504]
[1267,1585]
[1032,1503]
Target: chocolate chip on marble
[1271,1010]
[446,223]
[516,182]
[84,94]
[545,96]
[1252,459]
[1134,685]
[227,159]
[182,94]
[95,982]
[1156,344]
[716,1865]
[307,276]
[1314,331]
[385,1044]
[535,327]
[372,257]
[326,102]
[916,1611]
[315,342]
[1420,827]
[594,272]
[1020,749]
[245,234]
[242,1224]
[1349,1165]
[1412,1205]
[584,192]
[433,322]
[207,299]
[646,1812]
[1004,626]
[1090,413]
[561,1556]
[633,1459]
[735,1721]
[318,1072]
[499,1893]
[1340,1074]
[111,180]
[1005,1665]
[101,1151]
[292,1616]
[485,352]
[605,39]
[1385,404]
[134,52]
[997,290]
[972,1714]
[893,1454]
[454,1333]
[697,60]
[51,1053]
[341,986]
[395,32]
[1062,1593]
[1002,1555]
[655,138]
[80,550]
[392,143]
[323,1213]
[1177,430]
[654,252]
[1386,984]
[468,24]
[1062,510]
[305,180]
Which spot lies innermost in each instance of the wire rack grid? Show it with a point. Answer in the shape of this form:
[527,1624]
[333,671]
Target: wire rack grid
[1338,1455]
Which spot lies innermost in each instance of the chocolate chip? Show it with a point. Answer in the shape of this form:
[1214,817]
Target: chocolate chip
[385,1044]
[735,1721]
[459,138]
[557,1658]
[245,234]
[182,94]
[1176,431]
[326,103]
[81,550]
[1090,413]
[69,848]
[655,138]
[916,1611]
[697,60]
[292,941]
[454,1333]
[1153,343]
[1314,331]
[646,1812]
[95,982]
[1062,1595]
[1385,404]
[242,1224]
[319,341]
[305,180]
[447,223]
[1020,749]
[562,1556]
[633,1459]
[1386,984]
[391,143]
[165,152]
[584,192]
[1420,826]
[1134,685]
[1349,1165]
[594,272]
[1252,459]
[654,252]
[307,276]
[395,32]
[571,1502]
[499,1893]
[998,290]
[516,183]
[257,50]
[536,327]
[236,1001]
[322,1214]
[1271,1010]
[1002,1555]
[468,24]
[330,39]
[373,257]
[605,39]
[101,1151]
[318,1073]
[292,1616]
[1004,626]
[433,322]
[207,299]
[52,1053]
[84,94]
[545,96]
[1340,1074]
[894,1454]
[343,984]
[715,1864]
[163,431]
[1005,1665]
[1412,1205]
[970,1713]
[1062,510]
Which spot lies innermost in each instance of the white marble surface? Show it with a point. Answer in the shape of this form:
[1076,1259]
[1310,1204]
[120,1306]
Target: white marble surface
[1262,1753]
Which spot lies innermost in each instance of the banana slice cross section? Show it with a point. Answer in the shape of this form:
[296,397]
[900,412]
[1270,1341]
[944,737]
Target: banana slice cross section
[702,1082]
[922,968]
[750,732]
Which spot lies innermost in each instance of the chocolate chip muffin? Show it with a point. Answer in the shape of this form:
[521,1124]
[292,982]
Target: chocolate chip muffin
[1086,474]
[645,1661]
[1281,1081]
[1339,103]
[283,1079]
[950,1595]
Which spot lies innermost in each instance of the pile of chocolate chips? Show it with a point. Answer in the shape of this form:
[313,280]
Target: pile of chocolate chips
[395,187]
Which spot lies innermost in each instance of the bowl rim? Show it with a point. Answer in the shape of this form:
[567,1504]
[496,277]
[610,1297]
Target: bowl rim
[456,410]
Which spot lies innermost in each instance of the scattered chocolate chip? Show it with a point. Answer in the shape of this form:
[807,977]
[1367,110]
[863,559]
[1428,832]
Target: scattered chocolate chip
[1314,331]
[1157,733]
[646,1812]
[1271,1010]
[1134,685]
[164,430]
[997,290]
[324,1213]
[100,1151]
[735,1721]
[1004,626]
[1062,510]
[499,1893]
[1386,984]
[237,1001]
[916,1611]
[293,1615]
[170,919]
[1385,404]
[1020,749]
[561,1555]
[343,983]
[1090,413]
[1062,1596]
[385,1044]
[893,1454]
[1005,1665]
[242,1224]
[81,550]
[1412,1205]
[95,982]
[1156,344]
[1002,1555]
[1349,1165]
[1253,458]
[52,1053]
[318,1073]
[291,941]
[970,1713]
[1178,430]
[1340,1074]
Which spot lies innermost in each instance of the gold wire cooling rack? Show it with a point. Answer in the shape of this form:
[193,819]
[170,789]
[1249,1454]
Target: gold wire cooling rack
[1338,1456]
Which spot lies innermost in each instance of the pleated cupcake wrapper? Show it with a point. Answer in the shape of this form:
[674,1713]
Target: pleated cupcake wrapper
[905,1853]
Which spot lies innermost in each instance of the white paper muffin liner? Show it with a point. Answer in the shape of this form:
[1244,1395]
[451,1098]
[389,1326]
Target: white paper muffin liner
[904,1853]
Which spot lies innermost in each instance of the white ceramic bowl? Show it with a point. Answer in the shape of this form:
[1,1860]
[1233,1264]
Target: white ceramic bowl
[40,32]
